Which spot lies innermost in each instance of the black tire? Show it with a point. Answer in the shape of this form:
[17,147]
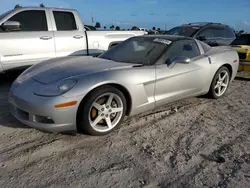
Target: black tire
[83,123]
[212,92]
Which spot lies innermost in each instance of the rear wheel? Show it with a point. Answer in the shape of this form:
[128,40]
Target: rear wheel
[220,83]
[102,111]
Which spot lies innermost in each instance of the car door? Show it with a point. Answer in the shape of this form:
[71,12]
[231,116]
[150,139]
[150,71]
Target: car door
[174,82]
[33,43]
[69,35]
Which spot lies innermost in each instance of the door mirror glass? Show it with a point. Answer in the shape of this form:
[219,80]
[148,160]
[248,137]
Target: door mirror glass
[180,59]
[11,26]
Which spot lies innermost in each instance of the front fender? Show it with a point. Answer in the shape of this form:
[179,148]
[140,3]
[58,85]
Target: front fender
[139,86]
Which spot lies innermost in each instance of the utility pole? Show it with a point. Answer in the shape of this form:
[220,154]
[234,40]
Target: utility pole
[92,18]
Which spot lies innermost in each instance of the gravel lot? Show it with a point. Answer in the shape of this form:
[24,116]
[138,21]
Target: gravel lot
[198,142]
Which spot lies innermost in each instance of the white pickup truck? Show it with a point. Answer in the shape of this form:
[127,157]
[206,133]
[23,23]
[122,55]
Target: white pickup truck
[30,35]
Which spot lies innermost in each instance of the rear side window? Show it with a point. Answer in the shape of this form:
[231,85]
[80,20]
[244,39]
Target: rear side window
[220,32]
[65,21]
[31,20]
[223,32]
[208,33]
[229,33]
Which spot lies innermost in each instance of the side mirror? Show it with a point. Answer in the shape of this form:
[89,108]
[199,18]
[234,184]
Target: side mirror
[11,25]
[180,59]
[201,38]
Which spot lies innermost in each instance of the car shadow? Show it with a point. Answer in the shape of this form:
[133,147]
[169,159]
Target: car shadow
[242,78]
[7,78]
[10,122]
[6,118]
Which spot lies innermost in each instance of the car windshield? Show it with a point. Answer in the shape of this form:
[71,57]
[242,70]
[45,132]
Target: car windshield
[242,40]
[137,50]
[183,31]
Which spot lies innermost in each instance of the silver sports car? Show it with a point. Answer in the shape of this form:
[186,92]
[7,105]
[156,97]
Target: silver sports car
[93,94]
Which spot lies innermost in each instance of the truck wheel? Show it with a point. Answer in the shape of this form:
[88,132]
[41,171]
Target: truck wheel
[220,83]
[102,111]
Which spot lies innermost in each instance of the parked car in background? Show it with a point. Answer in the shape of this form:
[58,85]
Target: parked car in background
[89,28]
[93,94]
[144,29]
[30,35]
[214,34]
[242,45]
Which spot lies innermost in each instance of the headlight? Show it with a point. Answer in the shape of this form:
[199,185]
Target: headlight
[57,88]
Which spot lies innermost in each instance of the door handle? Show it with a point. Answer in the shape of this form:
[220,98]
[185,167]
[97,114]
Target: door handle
[78,36]
[45,38]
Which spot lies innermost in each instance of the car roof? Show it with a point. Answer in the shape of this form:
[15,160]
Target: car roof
[168,37]
[204,24]
[44,8]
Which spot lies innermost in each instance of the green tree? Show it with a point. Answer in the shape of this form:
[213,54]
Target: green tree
[41,5]
[97,25]
[112,27]
[135,28]
[117,28]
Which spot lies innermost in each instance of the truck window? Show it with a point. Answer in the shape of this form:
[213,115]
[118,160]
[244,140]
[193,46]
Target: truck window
[65,21]
[31,20]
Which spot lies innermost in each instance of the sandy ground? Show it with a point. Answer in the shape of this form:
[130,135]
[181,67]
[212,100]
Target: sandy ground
[198,142]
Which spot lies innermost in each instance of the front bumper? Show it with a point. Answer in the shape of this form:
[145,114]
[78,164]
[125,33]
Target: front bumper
[39,112]
[47,127]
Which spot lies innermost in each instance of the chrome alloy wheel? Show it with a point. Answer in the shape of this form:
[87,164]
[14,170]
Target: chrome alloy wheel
[105,112]
[221,83]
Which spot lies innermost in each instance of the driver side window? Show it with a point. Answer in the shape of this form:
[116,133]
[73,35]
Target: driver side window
[182,48]
[31,20]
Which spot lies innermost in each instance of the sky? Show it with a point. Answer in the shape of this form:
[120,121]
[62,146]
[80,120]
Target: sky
[148,13]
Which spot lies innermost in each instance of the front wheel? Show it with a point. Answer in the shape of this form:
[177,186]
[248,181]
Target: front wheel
[102,111]
[220,83]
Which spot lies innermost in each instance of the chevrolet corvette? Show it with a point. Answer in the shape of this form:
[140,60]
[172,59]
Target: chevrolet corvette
[94,94]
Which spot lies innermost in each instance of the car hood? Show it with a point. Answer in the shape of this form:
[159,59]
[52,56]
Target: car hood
[61,68]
